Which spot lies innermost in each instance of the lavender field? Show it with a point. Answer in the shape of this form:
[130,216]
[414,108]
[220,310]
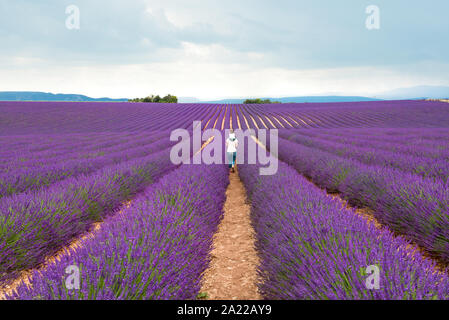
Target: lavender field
[359,184]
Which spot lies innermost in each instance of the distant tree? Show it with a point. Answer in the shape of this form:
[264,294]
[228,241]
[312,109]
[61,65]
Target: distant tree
[156,99]
[170,99]
[259,101]
[252,101]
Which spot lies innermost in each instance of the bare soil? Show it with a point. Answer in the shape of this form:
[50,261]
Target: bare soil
[232,274]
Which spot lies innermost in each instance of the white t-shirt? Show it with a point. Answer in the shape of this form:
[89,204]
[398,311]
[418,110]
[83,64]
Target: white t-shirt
[232,145]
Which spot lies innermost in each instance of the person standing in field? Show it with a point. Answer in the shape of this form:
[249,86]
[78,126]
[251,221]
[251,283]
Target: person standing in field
[231,149]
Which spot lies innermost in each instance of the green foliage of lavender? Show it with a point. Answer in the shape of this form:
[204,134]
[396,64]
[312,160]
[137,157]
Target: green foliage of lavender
[311,247]
[157,248]
[409,204]
[37,224]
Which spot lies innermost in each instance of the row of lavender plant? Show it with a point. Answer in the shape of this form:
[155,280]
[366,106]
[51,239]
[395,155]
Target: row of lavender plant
[386,114]
[68,147]
[400,142]
[42,173]
[29,143]
[404,144]
[311,247]
[409,204]
[48,117]
[23,179]
[421,135]
[434,138]
[37,224]
[76,149]
[73,150]
[53,118]
[426,167]
[156,249]
[34,146]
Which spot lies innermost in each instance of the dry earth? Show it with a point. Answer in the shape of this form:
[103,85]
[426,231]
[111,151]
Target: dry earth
[232,273]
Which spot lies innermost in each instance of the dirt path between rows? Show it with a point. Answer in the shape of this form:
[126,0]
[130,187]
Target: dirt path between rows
[232,274]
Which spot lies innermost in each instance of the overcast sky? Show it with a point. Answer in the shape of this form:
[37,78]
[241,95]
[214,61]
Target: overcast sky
[215,49]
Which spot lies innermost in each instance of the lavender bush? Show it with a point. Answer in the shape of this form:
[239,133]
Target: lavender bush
[156,249]
[35,225]
[423,166]
[22,178]
[313,248]
[409,204]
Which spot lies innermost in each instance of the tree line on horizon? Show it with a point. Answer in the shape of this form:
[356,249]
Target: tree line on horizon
[156,99]
[259,101]
[173,99]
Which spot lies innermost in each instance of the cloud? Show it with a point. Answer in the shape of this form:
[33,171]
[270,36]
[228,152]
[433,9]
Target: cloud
[259,41]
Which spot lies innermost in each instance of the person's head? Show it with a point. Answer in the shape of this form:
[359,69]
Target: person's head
[232,135]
